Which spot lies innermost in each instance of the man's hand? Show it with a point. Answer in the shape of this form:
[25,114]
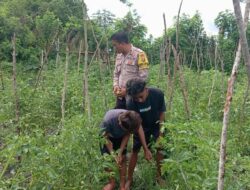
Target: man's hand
[119,92]
[122,92]
[116,89]
[147,154]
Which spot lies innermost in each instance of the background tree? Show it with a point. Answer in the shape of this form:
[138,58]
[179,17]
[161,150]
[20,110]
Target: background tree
[14,17]
[227,37]
[137,31]
[48,27]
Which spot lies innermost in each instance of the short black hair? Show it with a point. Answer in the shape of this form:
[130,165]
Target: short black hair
[121,37]
[130,121]
[135,86]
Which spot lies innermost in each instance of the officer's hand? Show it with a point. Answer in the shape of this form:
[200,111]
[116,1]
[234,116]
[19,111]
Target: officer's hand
[116,90]
[122,92]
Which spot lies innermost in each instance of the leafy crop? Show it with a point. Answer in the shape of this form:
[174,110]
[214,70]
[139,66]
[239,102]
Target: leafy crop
[47,155]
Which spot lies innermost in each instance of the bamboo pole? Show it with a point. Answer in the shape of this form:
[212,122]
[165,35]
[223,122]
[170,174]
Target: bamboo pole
[85,74]
[108,58]
[79,56]
[170,84]
[242,113]
[102,78]
[244,46]
[40,71]
[182,83]
[175,63]
[16,99]
[177,28]
[44,60]
[1,76]
[178,68]
[57,52]
[162,62]
[214,78]
[65,86]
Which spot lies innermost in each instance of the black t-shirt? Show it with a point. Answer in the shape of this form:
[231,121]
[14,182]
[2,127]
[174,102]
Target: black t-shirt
[150,109]
[110,123]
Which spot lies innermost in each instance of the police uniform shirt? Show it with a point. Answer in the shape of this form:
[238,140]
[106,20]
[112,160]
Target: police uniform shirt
[134,64]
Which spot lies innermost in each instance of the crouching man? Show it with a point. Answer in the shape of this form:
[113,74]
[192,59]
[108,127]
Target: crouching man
[150,104]
[117,126]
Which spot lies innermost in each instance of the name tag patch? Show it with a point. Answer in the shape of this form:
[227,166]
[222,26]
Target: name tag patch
[145,109]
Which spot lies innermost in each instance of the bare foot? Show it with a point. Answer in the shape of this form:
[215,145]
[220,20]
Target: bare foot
[128,185]
[109,186]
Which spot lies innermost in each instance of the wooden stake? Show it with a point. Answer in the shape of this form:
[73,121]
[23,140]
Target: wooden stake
[79,56]
[65,85]
[1,76]
[244,46]
[85,74]
[17,111]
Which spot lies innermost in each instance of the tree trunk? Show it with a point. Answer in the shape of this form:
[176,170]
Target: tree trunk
[108,58]
[222,73]
[45,60]
[182,83]
[177,29]
[1,76]
[172,89]
[57,52]
[246,16]
[40,71]
[102,82]
[242,114]
[214,79]
[48,48]
[170,83]
[85,75]
[65,85]
[163,52]
[79,56]
[175,63]
[46,63]
[17,111]
[198,65]
[102,78]
[162,62]
[243,44]
[241,28]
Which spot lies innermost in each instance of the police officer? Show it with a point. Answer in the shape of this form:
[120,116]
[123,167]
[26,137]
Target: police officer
[131,62]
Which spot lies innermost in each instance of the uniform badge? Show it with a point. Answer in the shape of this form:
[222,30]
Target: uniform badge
[143,61]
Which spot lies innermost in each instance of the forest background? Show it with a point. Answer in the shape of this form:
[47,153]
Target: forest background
[56,67]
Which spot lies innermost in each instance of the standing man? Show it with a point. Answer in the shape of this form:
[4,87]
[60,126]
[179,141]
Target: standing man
[150,104]
[130,62]
[116,128]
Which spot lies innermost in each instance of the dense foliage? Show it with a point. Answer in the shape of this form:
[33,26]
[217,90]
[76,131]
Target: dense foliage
[68,157]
